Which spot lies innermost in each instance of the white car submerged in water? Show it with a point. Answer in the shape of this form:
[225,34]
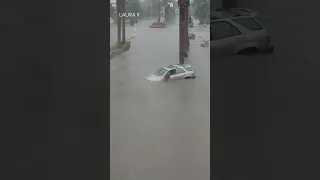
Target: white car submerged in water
[172,72]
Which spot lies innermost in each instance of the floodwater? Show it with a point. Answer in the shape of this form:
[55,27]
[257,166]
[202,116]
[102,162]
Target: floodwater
[159,130]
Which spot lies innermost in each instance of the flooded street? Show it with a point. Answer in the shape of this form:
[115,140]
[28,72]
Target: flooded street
[159,130]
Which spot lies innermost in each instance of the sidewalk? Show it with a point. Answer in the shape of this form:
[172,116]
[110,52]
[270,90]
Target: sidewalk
[114,33]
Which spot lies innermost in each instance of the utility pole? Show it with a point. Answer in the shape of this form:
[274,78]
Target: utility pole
[123,23]
[119,21]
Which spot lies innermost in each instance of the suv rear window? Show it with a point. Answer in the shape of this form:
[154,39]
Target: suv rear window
[249,23]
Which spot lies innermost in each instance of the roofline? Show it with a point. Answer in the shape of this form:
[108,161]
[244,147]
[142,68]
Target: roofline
[230,18]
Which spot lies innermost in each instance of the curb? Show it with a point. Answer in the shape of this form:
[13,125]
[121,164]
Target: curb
[115,47]
[158,26]
[117,51]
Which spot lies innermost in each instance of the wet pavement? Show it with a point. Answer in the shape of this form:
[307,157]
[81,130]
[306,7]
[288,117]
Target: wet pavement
[159,130]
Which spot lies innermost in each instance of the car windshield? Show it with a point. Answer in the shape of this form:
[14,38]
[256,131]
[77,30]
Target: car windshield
[187,68]
[161,72]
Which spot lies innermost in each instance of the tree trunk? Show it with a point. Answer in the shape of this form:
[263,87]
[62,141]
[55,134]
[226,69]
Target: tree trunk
[123,27]
[150,9]
[181,36]
[159,12]
[119,25]
[187,28]
[166,15]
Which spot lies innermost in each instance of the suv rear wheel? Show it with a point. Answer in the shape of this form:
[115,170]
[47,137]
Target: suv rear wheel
[250,50]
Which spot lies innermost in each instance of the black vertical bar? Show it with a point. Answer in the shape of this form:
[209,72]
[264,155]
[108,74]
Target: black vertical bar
[55,90]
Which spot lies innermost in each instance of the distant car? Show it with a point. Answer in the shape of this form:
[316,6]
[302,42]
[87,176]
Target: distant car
[239,35]
[179,71]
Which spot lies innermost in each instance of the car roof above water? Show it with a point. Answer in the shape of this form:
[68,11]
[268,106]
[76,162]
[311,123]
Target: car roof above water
[170,67]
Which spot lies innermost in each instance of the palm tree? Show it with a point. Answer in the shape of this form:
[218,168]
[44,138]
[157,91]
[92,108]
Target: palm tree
[159,10]
[201,9]
[133,6]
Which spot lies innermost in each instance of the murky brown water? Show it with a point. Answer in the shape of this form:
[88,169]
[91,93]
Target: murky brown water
[159,130]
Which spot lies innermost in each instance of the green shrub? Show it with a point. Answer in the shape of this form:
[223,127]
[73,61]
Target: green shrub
[127,45]
[163,23]
[156,23]
[159,23]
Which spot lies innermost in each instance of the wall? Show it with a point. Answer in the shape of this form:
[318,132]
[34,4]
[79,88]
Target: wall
[216,4]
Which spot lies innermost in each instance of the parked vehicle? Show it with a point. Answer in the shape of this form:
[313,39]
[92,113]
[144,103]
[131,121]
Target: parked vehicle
[222,13]
[172,72]
[244,11]
[238,34]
